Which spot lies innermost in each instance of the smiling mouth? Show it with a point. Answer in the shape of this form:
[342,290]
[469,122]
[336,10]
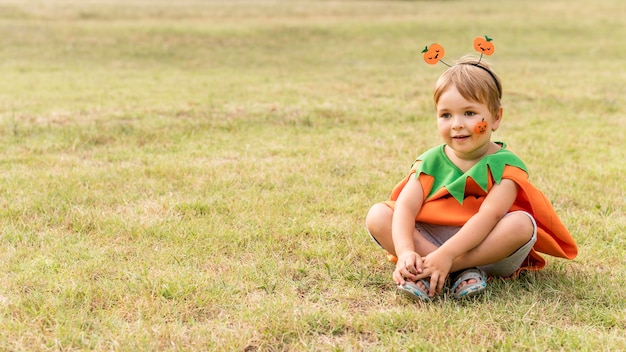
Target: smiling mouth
[460,137]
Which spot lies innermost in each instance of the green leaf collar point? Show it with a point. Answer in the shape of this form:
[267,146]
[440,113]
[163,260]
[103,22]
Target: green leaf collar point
[436,163]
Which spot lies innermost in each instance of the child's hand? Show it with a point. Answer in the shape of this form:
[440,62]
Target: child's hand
[408,266]
[436,265]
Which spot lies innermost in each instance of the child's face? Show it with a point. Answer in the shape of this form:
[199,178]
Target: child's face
[464,125]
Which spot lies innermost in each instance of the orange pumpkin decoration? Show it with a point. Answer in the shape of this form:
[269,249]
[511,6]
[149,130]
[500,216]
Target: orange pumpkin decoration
[433,54]
[484,45]
[481,127]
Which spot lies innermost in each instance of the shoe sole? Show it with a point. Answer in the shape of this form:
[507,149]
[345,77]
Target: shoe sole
[471,291]
[414,292]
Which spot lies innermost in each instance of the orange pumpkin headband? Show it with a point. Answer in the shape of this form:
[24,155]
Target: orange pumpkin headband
[434,54]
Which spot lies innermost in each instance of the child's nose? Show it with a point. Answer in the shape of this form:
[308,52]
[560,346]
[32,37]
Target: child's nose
[457,122]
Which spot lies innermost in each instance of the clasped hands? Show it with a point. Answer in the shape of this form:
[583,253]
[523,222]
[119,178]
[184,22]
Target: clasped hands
[412,267]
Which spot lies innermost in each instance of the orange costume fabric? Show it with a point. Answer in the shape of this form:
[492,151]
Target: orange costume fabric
[441,208]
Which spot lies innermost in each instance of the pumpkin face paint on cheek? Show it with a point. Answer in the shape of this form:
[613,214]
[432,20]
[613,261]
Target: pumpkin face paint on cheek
[481,127]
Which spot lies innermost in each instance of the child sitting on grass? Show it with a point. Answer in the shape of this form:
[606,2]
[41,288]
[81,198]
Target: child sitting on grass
[466,210]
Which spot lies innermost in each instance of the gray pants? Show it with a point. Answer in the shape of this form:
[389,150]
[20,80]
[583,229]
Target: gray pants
[439,234]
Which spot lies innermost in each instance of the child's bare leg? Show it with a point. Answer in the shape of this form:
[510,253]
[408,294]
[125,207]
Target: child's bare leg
[378,223]
[510,233]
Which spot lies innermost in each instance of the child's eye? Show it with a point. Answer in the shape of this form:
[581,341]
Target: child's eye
[445,115]
[470,113]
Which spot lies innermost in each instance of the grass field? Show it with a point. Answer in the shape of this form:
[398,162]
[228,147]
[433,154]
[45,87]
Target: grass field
[195,175]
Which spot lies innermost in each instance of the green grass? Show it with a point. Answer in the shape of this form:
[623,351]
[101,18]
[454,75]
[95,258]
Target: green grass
[195,176]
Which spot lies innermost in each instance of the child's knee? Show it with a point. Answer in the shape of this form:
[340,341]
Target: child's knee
[378,217]
[522,224]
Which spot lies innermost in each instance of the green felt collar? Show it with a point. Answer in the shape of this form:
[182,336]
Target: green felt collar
[436,163]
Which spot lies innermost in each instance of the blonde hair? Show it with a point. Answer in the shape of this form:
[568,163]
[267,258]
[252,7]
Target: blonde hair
[474,80]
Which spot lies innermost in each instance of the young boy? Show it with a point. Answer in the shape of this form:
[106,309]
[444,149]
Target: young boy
[467,208]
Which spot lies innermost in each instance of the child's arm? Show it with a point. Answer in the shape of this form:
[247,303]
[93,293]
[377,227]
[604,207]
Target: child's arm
[497,203]
[407,206]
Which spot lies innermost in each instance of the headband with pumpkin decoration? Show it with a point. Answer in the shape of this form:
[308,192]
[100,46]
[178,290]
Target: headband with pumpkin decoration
[434,54]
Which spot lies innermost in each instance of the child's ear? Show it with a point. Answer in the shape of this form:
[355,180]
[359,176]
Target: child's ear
[496,119]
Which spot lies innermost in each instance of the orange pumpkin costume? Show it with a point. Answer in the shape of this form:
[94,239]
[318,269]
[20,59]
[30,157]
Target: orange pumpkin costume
[452,197]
